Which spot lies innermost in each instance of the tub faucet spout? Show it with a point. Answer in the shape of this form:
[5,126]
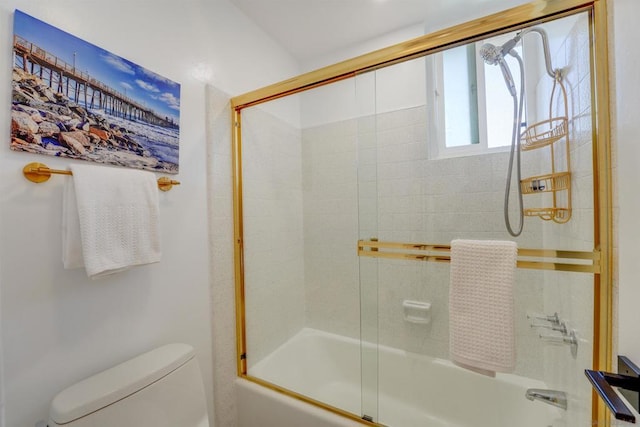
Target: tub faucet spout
[552,397]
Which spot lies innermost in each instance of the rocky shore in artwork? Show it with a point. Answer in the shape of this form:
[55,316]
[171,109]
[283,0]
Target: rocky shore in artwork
[46,122]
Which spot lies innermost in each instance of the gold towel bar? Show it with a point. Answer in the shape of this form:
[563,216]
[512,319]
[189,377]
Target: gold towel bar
[537,259]
[39,172]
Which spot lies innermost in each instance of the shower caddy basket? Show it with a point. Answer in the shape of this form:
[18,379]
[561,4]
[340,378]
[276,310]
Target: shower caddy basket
[550,133]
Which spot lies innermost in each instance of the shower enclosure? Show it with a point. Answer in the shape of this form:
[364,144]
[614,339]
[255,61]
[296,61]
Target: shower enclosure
[350,184]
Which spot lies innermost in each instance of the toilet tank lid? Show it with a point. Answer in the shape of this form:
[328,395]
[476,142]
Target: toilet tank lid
[116,383]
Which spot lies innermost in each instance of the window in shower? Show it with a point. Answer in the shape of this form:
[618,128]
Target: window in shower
[471,102]
[459,88]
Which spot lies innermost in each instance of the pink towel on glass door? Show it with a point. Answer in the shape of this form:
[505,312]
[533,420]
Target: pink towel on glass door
[481,305]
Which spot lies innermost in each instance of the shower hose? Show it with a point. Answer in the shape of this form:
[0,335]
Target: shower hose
[518,105]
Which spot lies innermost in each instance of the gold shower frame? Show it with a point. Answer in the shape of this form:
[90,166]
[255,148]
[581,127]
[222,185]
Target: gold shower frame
[509,20]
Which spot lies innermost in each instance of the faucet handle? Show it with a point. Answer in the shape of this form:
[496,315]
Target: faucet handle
[558,339]
[565,338]
[553,319]
[560,327]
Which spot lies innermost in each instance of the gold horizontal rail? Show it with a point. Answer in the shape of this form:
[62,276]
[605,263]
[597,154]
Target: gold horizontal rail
[39,172]
[536,259]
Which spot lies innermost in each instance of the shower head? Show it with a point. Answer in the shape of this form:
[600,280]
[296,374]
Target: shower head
[492,54]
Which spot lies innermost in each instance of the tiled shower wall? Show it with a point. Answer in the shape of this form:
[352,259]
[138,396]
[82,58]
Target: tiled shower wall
[273,232]
[330,191]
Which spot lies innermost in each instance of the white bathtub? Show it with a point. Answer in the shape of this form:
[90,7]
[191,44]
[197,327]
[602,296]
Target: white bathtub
[413,390]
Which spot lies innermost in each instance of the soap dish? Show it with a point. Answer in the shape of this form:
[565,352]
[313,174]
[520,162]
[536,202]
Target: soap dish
[417,311]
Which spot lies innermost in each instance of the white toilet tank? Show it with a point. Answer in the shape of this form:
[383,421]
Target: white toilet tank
[161,388]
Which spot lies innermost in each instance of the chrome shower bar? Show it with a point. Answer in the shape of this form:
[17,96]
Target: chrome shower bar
[536,259]
[552,72]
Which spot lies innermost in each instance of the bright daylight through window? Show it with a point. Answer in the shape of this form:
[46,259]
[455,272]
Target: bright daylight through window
[473,106]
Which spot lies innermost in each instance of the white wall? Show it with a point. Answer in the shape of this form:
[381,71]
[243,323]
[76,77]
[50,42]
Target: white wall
[388,89]
[348,52]
[58,326]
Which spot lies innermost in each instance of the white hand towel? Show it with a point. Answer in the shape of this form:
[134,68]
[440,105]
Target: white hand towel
[481,306]
[71,240]
[118,216]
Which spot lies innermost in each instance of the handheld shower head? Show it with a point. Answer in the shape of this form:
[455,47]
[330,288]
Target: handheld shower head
[493,54]
[490,53]
[508,77]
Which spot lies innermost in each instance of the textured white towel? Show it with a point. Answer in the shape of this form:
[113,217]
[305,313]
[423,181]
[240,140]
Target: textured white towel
[118,216]
[71,240]
[481,312]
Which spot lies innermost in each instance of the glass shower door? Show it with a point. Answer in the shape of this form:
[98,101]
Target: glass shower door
[417,193]
[366,160]
[302,305]
[367,168]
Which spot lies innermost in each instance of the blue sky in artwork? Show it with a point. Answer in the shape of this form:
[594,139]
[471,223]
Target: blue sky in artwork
[144,86]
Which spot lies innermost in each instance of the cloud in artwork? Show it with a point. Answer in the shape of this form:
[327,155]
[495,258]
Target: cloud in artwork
[157,77]
[170,100]
[118,63]
[126,85]
[147,86]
